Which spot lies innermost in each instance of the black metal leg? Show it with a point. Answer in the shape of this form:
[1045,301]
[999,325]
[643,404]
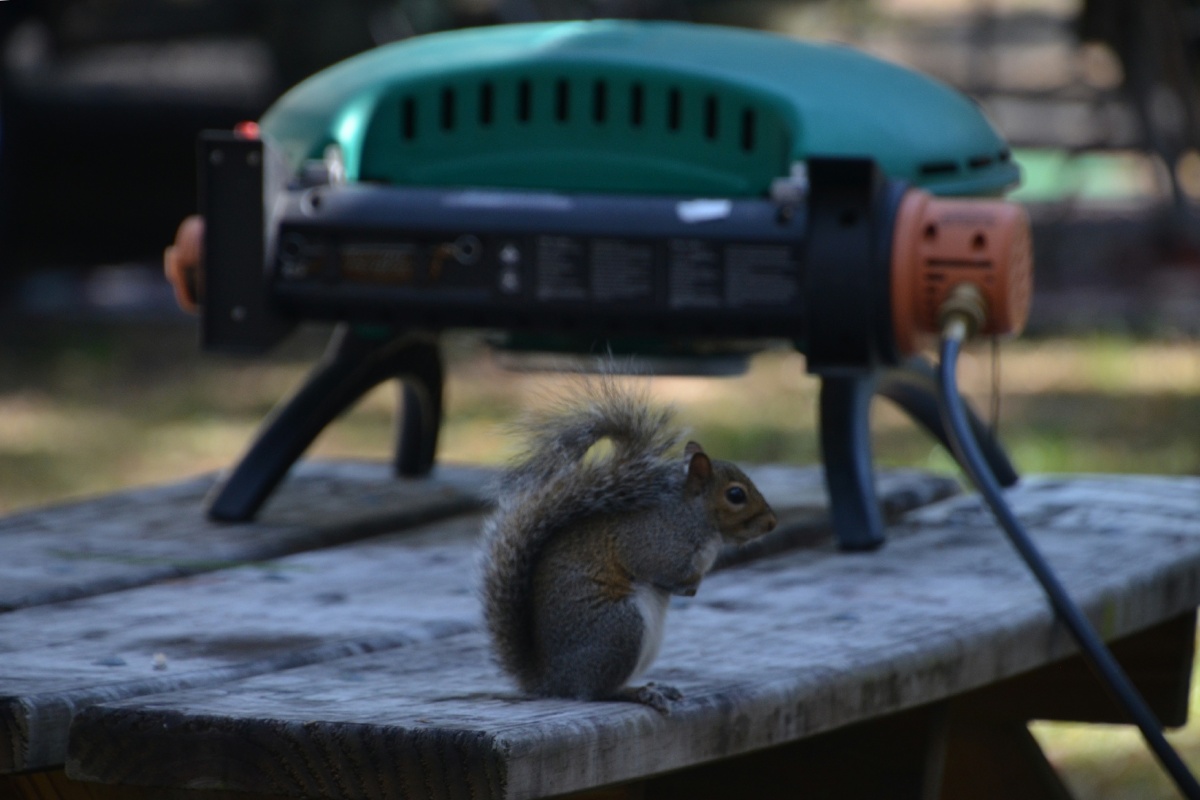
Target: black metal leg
[420,414]
[353,365]
[846,453]
[846,443]
[914,389]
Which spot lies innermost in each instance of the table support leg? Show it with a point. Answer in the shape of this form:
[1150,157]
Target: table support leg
[997,760]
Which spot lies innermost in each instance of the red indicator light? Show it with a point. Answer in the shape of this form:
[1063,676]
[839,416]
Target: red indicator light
[246,130]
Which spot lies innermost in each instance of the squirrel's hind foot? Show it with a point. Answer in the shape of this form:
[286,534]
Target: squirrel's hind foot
[658,696]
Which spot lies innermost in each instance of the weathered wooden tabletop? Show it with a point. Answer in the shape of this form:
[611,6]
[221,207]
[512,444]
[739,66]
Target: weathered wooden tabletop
[332,649]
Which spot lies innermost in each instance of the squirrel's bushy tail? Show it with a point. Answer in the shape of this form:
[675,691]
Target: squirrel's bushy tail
[595,408]
[555,484]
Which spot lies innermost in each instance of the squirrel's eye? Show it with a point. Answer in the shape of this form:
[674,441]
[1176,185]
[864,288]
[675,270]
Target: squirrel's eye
[735,495]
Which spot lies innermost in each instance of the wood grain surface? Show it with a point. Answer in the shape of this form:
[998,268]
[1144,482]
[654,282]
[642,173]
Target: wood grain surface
[219,625]
[138,537]
[768,652]
[211,628]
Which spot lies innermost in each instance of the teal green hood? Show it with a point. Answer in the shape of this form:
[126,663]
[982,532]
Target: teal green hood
[642,107]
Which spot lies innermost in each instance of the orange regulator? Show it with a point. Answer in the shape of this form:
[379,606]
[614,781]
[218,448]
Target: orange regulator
[941,244]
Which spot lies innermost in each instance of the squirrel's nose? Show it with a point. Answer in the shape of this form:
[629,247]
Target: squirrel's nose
[771,523]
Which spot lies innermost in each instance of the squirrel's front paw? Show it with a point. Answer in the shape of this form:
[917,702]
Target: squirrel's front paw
[658,697]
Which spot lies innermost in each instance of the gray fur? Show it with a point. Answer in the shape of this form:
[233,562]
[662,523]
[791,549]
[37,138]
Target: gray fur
[582,550]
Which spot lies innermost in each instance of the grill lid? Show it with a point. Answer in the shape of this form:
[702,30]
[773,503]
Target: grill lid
[632,107]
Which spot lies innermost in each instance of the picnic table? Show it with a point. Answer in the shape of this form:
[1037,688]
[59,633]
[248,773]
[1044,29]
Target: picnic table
[333,648]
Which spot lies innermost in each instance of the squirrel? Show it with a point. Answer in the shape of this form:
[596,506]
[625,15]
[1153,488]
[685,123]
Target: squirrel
[585,549]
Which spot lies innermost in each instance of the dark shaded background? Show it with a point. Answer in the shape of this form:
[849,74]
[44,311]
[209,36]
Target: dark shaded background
[101,101]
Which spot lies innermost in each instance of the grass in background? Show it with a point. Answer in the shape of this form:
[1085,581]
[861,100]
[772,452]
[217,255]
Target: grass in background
[86,410]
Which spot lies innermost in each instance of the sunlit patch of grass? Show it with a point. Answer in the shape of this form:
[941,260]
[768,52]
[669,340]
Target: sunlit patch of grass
[93,409]
[1098,761]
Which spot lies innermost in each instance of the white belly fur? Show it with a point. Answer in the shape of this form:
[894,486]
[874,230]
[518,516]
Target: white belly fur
[707,555]
[652,604]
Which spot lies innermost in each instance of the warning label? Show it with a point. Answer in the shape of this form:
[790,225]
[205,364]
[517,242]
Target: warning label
[699,273]
[693,274]
[622,270]
[761,275]
[705,274]
[561,269]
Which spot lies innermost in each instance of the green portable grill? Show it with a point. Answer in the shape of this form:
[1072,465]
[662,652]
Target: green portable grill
[648,187]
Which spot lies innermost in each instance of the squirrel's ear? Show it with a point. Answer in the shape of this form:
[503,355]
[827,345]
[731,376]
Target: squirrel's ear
[699,466]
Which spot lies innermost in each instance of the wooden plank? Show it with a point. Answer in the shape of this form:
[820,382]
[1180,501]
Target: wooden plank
[975,747]
[206,629]
[768,652]
[218,626]
[146,535]
[138,537]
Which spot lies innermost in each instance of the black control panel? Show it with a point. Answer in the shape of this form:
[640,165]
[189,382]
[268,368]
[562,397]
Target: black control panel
[446,258]
[811,267]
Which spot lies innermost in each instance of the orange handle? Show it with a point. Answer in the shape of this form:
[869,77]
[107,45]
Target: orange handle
[181,262]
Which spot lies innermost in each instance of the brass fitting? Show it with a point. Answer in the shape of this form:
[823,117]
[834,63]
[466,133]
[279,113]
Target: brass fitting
[965,302]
